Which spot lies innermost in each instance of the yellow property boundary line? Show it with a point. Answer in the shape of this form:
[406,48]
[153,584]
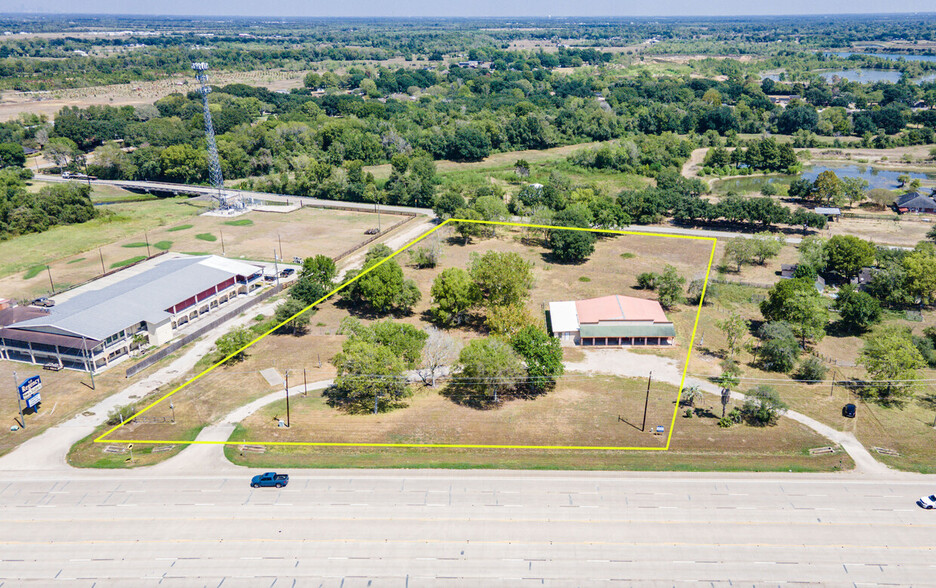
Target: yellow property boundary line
[101,438]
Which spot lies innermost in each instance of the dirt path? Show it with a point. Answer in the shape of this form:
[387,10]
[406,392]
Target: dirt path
[621,362]
[691,168]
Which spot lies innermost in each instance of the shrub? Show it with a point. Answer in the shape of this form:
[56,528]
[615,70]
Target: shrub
[810,370]
[647,280]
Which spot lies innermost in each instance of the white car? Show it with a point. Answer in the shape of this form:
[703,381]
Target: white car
[927,501]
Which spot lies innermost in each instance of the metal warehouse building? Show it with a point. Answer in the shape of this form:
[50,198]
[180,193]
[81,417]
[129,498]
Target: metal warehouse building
[97,327]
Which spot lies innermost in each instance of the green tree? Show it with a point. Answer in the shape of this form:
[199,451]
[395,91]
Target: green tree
[812,252]
[858,310]
[797,302]
[735,327]
[777,349]
[828,188]
[320,268]
[384,288]
[369,375]
[290,307]
[542,355]
[892,361]
[765,246]
[405,341]
[739,251]
[12,155]
[920,268]
[847,254]
[883,198]
[307,290]
[231,345]
[61,151]
[670,287]
[502,278]
[762,406]
[811,370]
[854,189]
[454,294]
[572,246]
[467,230]
[447,203]
[487,367]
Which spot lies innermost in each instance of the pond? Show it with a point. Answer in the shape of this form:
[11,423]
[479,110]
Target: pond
[877,178]
[862,75]
[888,56]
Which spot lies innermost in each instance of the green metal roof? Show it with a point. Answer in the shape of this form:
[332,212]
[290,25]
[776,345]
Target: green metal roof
[663,330]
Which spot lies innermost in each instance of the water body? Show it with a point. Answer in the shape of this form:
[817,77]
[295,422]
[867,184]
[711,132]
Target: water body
[877,178]
[888,56]
[862,76]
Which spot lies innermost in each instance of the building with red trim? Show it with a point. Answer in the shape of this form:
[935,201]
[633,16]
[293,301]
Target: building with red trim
[611,321]
[102,322]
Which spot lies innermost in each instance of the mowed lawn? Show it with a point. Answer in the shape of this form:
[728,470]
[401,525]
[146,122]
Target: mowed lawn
[77,253]
[117,222]
[64,394]
[588,411]
[591,412]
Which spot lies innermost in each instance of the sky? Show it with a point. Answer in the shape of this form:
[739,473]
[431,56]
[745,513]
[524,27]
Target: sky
[469,8]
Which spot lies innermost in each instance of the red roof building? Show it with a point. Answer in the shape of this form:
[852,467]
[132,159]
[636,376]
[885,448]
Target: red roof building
[611,321]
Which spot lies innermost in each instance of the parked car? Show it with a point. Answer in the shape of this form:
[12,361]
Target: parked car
[927,502]
[371,231]
[287,272]
[44,302]
[269,479]
[848,411]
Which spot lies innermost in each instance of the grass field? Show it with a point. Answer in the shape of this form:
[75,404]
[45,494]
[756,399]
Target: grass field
[304,232]
[128,261]
[64,394]
[57,243]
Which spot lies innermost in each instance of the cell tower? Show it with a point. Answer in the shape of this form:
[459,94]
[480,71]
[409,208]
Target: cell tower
[214,164]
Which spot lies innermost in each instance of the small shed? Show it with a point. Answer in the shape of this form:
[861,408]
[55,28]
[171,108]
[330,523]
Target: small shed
[830,213]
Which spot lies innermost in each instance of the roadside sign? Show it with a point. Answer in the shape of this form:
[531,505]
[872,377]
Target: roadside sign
[29,391]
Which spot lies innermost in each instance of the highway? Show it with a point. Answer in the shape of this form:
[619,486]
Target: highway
[418,528]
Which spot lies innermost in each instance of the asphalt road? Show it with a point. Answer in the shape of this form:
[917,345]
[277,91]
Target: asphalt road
[413,528]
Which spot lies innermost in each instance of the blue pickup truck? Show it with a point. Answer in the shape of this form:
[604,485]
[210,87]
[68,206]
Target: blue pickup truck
[269,479]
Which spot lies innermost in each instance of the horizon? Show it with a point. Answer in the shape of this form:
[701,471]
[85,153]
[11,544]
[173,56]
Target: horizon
[494,9]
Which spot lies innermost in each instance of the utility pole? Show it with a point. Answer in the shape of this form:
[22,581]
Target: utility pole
[287,398]
[280,245]
[146,238]
[305,384]
[19,401]
[832,389]
[222,241]
[101,252]
[49,269]
[276,268]
[643,425]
